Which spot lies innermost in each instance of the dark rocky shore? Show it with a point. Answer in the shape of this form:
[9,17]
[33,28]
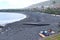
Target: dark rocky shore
[18,31]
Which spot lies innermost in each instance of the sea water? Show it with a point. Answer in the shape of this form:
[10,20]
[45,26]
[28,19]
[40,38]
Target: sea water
[6,17]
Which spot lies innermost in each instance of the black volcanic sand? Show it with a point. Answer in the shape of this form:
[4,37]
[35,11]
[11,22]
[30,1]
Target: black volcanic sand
[18,31]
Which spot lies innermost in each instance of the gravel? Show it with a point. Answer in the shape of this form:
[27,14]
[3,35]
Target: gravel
[18,31]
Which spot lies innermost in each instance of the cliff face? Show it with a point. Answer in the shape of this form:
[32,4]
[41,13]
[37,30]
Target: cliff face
[45,4]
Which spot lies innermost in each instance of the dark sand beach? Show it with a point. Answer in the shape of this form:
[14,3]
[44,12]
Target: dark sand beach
[18,31]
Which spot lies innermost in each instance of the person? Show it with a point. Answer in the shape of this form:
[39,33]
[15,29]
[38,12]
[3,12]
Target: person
[44,32]
[51,31]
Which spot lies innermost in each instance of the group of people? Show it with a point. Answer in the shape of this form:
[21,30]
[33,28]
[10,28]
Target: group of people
[46,33]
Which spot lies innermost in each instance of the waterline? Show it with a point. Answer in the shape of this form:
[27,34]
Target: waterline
[6,17]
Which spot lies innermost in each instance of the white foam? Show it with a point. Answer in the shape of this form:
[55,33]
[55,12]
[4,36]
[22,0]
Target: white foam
[6,18]
[55,15]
